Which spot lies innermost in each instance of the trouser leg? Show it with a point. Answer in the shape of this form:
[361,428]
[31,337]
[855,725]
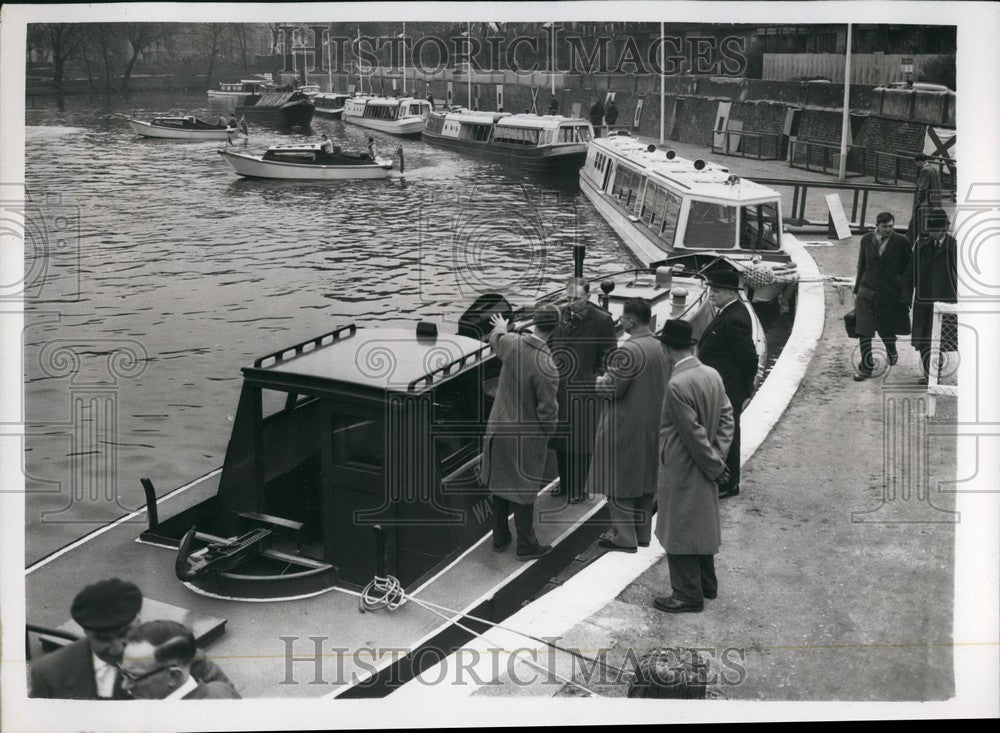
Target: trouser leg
[501,513]
[866,366]
[685,577]
[644,518]
[524,516]
[890,346]
[622,514]
[925,359]
[562,467]
[733,456]
[709,583]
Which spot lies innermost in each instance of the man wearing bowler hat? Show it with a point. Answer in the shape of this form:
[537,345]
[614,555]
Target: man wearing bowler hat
[695,432]
[521,421]
[727,346]
[88,668]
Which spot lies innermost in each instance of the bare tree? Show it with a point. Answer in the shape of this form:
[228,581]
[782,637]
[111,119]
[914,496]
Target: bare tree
[104,40]
[64,41]
[141,37]
[210,36]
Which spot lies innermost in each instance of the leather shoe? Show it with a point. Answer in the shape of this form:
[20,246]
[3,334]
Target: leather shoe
[609,545]
[729,492]
[672,605]
[540,551]
[501,546]
[893,359]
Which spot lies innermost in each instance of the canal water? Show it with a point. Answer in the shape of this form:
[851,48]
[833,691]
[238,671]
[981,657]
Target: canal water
[154,272]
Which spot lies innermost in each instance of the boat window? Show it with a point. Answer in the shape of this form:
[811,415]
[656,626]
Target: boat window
[357,441]
[668,216]
[710,226]
[760,227]
[459,416]
[626,186]
[582,133]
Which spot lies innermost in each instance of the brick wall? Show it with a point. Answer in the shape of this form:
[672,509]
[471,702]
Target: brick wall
[891,136]
[695,120]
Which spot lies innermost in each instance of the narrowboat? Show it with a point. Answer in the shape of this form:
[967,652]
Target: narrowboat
[349,483]
[671,210]
[404,116]
[543,144]
[307,163]
[240,88]
[330,104]
[279,109]
[187,127]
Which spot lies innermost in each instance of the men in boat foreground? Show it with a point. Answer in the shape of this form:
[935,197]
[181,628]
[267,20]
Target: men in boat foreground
[156,665]
[522,419]
[727,346]
[579,347]
[87,669]
[881,306]
[695,432]
[625,455]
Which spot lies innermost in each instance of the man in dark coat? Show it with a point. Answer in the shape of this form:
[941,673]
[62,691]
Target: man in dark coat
[579,346]
[521,421]
[881,302]
[88,669]
[727,346]
[695,432]
[611,114]
[597,117]
[933,276]
[926,196]
[553,105]
[156,665]
[625,449]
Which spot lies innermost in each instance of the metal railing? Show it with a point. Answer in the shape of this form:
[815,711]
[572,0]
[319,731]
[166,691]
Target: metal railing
[759,145]
[828,158]
[904,160]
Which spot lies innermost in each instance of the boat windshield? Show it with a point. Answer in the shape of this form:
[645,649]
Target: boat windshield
[710,225]
[760,227]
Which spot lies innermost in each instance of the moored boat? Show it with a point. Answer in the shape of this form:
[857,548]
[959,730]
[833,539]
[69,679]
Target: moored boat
[551,143]
[241,88]
[280,109]
[330,104]
[307,163]
[397,116]
[669,209]
[187,127]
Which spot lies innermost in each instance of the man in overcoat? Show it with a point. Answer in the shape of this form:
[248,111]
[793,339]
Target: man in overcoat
[523,418]
[881,302]
[597,116]
[625,449]
[695,432]
[579,346]
[87,669]
[926,196]
[727,346]
[933,276]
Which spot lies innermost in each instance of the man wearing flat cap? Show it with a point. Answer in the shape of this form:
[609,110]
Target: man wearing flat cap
[522,419]
[727,346]
[695,432]
[87,669]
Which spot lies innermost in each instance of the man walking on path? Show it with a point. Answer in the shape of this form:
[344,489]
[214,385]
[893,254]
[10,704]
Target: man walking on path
[695,432]
[727,346]
[933,277]
[625,456]
[522,419]
[927,196]
[882,303]
[611,114]
[579,348]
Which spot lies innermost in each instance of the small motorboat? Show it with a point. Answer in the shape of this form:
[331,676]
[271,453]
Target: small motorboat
[187,127]
[308,163]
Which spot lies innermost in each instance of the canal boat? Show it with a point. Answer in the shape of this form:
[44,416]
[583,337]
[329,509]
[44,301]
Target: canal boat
[349,483]
[241,88]
[551,143]
[307,162]
[671,210]
[404,116]
[330,104]
[187,127]
[283,109]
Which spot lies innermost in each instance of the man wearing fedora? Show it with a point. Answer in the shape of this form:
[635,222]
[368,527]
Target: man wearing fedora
[88,669]
[521,421]
[881,306]
[695,432]
[933,276]
[727,346]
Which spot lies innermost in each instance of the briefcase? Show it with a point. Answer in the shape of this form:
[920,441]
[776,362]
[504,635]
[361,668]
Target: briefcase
[849,324]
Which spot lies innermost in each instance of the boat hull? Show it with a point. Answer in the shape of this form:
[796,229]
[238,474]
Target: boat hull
[403,128]
[330,114]
[563,159]
[147,129]
[253,167]
[298,115]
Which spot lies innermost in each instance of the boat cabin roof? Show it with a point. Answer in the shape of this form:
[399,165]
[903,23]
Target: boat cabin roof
[713,181]
[545,122]
[390,101]
[383,359]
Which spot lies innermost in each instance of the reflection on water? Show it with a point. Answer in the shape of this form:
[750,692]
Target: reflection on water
[169,273]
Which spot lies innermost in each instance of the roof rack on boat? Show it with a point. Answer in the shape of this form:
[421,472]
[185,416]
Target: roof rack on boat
[446,369]
[303,348]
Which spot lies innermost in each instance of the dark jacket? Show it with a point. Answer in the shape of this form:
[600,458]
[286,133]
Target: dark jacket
[597,113]
[727,346]
[68,674]
[611,114]
[881,302]
[932,276]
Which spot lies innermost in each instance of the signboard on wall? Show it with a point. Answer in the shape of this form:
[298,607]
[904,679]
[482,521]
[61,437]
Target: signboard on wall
[837,216]
[638,112]
[499,97]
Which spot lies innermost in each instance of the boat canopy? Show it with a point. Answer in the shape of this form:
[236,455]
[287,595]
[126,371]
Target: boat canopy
[534,122]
